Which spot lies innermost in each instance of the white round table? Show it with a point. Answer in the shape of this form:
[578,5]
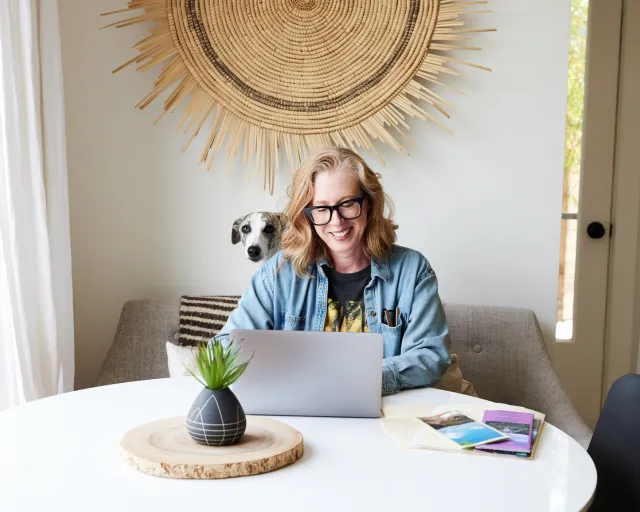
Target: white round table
[62,453]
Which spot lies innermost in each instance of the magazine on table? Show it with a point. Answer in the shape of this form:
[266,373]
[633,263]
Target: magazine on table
[518,426]
[424,426]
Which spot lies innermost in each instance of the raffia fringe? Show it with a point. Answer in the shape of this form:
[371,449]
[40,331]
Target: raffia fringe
[259,145]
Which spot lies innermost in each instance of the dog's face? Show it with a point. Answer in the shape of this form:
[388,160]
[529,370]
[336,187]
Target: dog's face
[260,234]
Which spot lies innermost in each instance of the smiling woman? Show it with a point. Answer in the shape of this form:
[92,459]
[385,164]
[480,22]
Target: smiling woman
[339,270]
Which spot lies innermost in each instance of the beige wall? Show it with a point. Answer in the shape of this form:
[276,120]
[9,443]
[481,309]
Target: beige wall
[483,205]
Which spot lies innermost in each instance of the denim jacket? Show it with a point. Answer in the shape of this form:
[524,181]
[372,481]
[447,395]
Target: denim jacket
[415,349]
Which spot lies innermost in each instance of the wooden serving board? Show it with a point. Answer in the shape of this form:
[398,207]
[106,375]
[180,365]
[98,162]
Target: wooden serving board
[164,448]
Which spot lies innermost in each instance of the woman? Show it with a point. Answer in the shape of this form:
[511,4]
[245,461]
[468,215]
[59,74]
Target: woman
[340,270]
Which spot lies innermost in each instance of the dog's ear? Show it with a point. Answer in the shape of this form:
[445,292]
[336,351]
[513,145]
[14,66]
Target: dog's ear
[235,230]
[281,219]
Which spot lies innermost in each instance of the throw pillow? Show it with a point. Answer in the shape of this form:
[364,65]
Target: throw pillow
[202,317]
[180,357]
[452,380]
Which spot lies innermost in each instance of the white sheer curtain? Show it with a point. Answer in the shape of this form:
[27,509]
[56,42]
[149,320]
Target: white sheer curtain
[36,316]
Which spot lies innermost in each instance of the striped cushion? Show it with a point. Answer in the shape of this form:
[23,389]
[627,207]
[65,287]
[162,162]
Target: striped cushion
[201,318]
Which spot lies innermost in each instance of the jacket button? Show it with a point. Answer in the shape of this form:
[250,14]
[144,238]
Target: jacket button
[373,313]
[477,349]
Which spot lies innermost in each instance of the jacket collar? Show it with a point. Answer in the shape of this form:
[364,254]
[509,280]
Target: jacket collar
[379,267]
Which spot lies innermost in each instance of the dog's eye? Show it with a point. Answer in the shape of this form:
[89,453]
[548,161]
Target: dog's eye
[268,229]
[246,228]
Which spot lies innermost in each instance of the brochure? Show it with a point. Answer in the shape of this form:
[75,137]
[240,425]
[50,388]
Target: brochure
[517,425]
[462,430]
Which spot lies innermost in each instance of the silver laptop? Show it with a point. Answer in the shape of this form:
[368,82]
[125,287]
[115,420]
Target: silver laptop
[301,373]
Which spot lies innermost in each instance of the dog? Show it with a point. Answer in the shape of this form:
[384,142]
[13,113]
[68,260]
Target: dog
[260,234]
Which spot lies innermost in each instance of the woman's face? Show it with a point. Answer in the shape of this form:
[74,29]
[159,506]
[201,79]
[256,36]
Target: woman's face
[343,237]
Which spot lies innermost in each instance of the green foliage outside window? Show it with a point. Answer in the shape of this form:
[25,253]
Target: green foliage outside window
[575,101]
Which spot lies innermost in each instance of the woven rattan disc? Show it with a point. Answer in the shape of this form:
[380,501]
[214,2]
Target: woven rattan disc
[302,65]
[296,75]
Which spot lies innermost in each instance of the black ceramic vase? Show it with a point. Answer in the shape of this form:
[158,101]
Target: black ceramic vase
[216,418]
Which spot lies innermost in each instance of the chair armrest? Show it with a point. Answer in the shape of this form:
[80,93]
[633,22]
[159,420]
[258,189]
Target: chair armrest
[138,351]
[552,397]
[554,401]
[569,421]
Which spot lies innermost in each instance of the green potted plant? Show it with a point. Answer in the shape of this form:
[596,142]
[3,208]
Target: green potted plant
[216,417]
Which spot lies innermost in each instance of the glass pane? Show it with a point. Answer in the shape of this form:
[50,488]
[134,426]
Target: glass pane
[572,157]
[564,327]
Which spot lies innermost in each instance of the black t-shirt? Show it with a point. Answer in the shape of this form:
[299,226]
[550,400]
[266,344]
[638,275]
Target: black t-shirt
[345,300]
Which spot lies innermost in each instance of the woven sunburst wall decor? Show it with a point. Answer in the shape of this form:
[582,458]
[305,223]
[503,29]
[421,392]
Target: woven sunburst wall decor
[298,74]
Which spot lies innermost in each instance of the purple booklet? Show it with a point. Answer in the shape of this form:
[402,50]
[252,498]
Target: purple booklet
[517,425]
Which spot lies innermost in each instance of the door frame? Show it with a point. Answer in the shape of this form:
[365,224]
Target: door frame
[580,362]
[623,305]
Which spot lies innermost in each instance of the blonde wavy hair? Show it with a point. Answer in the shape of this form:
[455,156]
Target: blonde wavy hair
[300,243]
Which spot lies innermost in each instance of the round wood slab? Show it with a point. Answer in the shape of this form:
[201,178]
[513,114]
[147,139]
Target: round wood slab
[164,448]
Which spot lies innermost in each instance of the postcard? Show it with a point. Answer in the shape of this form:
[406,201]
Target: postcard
[462,430]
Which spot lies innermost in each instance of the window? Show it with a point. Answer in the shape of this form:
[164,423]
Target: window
[572,158]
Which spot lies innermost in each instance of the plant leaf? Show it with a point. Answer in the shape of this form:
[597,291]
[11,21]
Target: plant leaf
[219,365]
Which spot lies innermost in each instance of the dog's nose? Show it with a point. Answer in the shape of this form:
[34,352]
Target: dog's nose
[253,251]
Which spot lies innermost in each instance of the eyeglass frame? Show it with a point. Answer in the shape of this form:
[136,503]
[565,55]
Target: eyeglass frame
[336,207]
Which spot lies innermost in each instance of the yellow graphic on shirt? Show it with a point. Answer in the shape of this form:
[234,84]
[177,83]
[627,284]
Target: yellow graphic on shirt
[354,320]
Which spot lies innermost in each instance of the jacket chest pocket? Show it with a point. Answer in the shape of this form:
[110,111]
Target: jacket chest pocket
[392,337]
[293,323]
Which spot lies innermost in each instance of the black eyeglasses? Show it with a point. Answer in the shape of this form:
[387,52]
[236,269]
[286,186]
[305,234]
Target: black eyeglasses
[348,210]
